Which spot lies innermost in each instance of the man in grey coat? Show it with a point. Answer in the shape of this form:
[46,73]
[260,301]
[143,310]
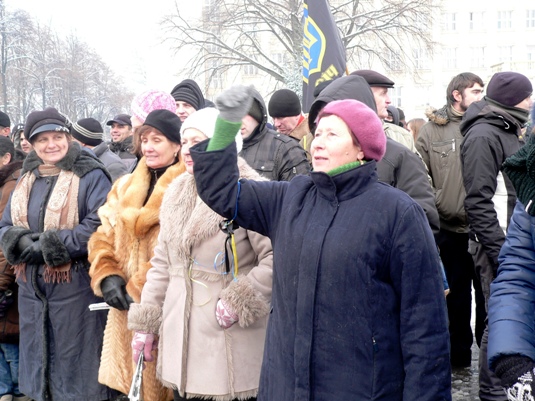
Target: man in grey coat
[88,132]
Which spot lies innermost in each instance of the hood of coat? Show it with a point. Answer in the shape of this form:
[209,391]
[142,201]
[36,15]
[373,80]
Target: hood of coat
[185,218]
[482,112]
[348,87]
[440,116]
[10,171]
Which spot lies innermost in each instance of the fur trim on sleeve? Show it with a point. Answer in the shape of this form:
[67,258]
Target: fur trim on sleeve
[146,318]
[245,301]
[54,250]
[9,243]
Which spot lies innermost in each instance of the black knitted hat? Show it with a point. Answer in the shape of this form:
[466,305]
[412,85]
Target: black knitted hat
[284,103]
[509,88]
[188,91]
[374,78]
[4,120]
[88,131]
[167,122]
[45,120]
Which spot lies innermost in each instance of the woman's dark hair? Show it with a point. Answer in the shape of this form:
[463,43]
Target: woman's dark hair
[6,146]
[138,133]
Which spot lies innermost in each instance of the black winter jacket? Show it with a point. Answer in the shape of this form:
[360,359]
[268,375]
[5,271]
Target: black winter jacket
[490,136]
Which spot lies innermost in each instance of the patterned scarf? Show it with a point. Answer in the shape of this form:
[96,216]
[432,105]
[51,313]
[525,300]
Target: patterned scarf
[61,212]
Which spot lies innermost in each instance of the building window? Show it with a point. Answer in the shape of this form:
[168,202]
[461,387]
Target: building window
[250,69]
[477,21]
[395,96]
[505,54]
[530,18]
[421,59]
[531,57]
[422,94]
[449,22]
[393,61]
[477,57]
[450,57]
[505,19]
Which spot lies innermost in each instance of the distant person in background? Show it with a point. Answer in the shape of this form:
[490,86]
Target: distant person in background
[414,126]
[88,132]
[9,313]
[402,121]
[25,145]
[121,139]
[5,124]
[188,98]
[285,108]
[15,135]
[393,115]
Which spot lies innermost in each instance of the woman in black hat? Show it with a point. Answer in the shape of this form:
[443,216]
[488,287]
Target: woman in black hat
[44,233]
[121,249]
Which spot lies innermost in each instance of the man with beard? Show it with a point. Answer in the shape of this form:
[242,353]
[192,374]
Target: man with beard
[439,144]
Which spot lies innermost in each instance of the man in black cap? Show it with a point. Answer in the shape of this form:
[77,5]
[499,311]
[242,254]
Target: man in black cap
[121,139]
[380,85]
[88,132]
[188,97]
[273,155]
[5,124]
[492,131]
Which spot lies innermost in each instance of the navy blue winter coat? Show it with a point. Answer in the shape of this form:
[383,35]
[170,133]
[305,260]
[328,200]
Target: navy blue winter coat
[358,311]
[512,298]
[60,338]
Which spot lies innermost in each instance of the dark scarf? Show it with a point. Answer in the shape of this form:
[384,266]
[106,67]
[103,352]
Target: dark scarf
[520,168]
[520,115]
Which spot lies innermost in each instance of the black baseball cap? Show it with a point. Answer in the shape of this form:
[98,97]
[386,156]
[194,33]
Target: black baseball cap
[123,119]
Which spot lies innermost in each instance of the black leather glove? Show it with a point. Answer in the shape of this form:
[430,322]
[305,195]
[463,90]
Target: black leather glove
[33,254]
[114,292]
[24,242]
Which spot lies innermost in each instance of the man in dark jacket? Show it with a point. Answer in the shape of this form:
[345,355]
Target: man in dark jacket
[88,132]
[399,167]
[274,156]
[439,144]
[491,128]
[121,139]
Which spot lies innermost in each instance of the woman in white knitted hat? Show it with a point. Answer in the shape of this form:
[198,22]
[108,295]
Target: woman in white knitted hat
[199,273]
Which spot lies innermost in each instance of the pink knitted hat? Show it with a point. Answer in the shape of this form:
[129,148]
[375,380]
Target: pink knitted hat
[363,123]
[151,100]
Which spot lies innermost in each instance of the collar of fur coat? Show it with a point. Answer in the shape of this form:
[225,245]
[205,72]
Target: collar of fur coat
[185,219]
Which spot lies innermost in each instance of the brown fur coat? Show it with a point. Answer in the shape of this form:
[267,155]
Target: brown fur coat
[123,245]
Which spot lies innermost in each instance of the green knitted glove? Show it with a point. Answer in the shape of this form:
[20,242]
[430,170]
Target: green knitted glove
[234,103]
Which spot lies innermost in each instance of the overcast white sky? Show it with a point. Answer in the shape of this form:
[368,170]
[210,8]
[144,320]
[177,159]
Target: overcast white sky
[124,32]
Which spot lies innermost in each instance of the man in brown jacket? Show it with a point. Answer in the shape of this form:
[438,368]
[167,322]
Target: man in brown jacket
[439,145]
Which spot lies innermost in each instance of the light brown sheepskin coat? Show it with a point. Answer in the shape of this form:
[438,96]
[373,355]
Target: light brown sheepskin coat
[196,356]
[123,246]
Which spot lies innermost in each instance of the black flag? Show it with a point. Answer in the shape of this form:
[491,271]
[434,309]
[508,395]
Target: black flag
[324,55]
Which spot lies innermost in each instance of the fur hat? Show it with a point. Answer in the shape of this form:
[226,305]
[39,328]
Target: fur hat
[509,88]
[121,119]
[151,100]
[165,121]
[374,78]
[188,91]
[204,120]
[284,103]
[4,120]
[45,120]
[88,131]
[363,124]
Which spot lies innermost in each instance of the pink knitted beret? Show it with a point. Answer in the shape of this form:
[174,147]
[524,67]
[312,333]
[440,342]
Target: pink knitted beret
[151,100]
[363,123]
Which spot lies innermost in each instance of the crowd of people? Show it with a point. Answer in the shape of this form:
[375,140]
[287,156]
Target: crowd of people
[246,250]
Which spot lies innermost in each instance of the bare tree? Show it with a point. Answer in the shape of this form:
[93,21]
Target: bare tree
[267,35]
